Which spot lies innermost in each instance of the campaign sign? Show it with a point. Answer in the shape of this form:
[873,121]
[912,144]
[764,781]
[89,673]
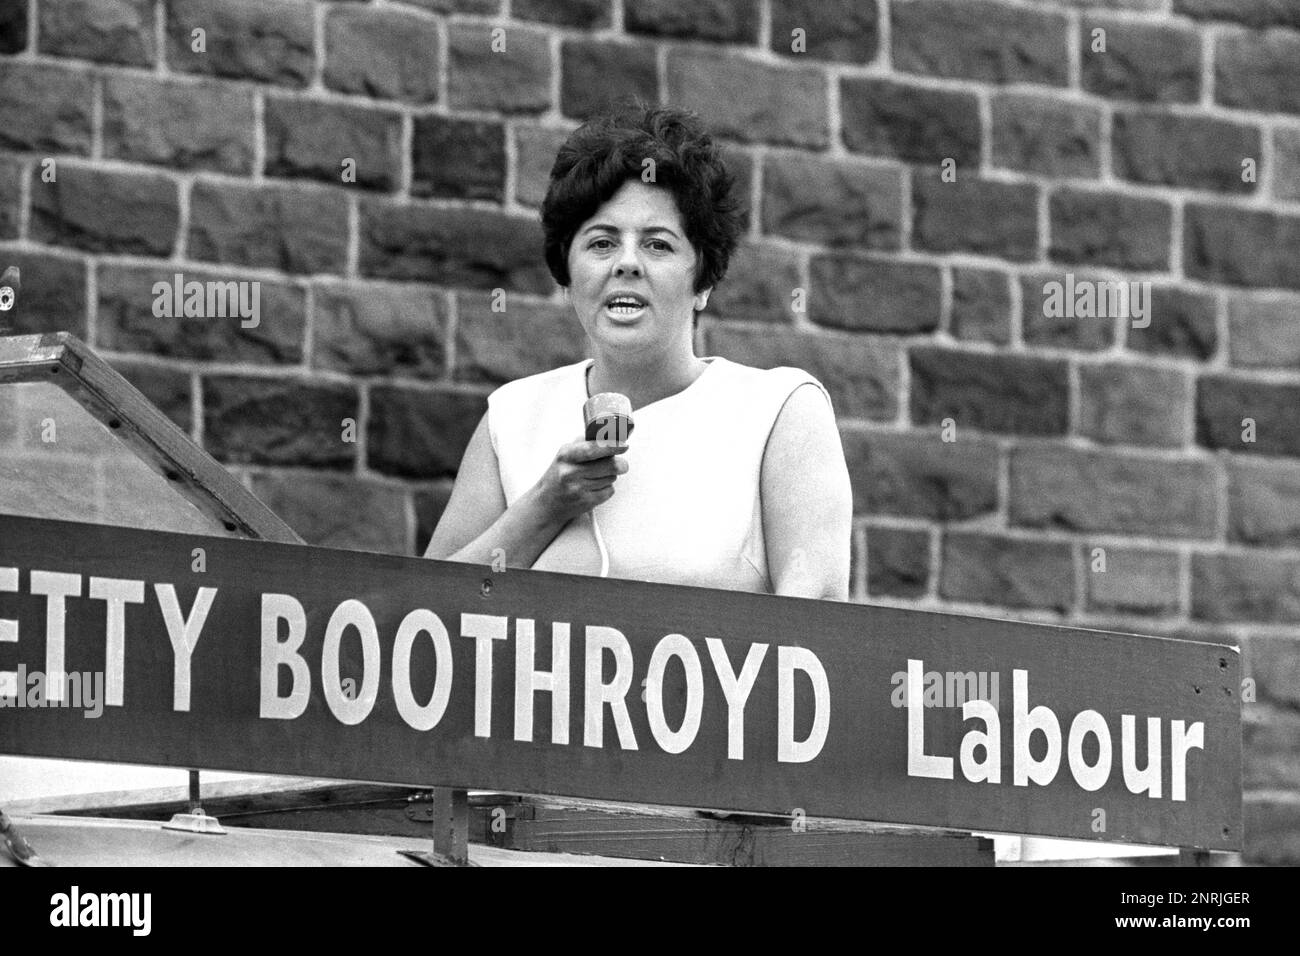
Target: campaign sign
[180,650]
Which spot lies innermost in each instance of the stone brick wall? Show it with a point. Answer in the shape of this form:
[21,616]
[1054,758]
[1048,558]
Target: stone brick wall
[919,171]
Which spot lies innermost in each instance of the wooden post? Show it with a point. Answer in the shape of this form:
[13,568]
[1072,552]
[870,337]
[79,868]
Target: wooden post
[451,824]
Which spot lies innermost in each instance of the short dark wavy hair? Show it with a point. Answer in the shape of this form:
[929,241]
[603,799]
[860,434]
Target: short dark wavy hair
[610,148]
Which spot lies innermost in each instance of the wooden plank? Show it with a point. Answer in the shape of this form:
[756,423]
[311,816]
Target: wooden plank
[169,800]
[287,804]
[703,840]
[248,711]
[20,354]
[480,855]
[529,807]
[300,797]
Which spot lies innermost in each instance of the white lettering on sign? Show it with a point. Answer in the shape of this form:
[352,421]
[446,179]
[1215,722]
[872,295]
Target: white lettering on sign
[529,681]
[350,709]
[1182,739]
[989,740]
[57,588]
[285,680]
[1136,780]
[676,698]
[789,660]
[613,693]
[277,654]
[1024,722]
[484,628]
[669,740]
[919,763]
[8,633]
[1089,777]
[736,688]
[421,621]
[184,634]
[1042,719]
[118,592]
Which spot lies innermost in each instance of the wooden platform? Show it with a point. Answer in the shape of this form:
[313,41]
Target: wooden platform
[81,842]
[548,825]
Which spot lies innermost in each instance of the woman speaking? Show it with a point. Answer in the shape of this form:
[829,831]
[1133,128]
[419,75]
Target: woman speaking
[732,477]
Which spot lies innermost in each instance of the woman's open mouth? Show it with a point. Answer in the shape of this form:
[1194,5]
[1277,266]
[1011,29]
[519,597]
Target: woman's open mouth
[624,306]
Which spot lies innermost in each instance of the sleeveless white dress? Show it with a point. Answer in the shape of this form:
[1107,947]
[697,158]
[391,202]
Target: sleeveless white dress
[688,509]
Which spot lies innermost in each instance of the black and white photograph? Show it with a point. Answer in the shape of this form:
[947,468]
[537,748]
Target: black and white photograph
[650,434]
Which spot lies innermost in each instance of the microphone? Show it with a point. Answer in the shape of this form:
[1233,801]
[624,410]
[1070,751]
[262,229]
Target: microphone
[608,418]
[9,289]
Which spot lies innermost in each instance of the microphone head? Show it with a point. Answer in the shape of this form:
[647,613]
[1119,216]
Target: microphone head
[608,418]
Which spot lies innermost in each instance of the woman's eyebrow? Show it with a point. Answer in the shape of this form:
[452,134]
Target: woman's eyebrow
[606,227]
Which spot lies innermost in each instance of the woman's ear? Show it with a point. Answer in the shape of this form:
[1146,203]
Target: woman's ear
[702,299]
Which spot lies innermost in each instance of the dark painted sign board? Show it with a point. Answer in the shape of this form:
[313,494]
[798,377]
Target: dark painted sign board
[181,650]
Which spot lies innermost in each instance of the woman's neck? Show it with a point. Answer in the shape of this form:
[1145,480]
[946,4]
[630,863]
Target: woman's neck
[644,382]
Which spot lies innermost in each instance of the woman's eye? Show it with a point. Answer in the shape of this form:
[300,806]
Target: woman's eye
[600,244]
[660,246]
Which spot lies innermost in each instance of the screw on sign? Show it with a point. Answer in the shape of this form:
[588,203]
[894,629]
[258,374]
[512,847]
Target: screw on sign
[9,289]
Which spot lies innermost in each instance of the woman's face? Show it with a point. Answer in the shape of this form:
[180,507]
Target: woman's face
[632,272]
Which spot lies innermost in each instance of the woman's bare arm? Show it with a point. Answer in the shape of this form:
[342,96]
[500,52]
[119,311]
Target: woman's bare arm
[476,521]
[807,500]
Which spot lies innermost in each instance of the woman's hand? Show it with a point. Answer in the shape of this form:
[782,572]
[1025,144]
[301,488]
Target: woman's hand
[581,477]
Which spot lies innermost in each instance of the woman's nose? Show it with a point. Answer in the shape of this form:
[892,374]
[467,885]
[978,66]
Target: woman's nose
[627,263]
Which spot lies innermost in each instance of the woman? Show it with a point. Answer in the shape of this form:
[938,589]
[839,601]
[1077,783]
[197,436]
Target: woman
[733,477]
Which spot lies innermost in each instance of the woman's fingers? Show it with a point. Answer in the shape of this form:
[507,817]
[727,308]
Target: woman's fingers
[583,475]
[579,452]
[602,468]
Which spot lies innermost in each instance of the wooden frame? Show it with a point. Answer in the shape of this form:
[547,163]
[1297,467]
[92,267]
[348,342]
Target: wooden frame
[550,825]
[62,359]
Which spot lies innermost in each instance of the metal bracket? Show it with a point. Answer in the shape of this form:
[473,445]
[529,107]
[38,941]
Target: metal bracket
[419,807]
[196,821]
